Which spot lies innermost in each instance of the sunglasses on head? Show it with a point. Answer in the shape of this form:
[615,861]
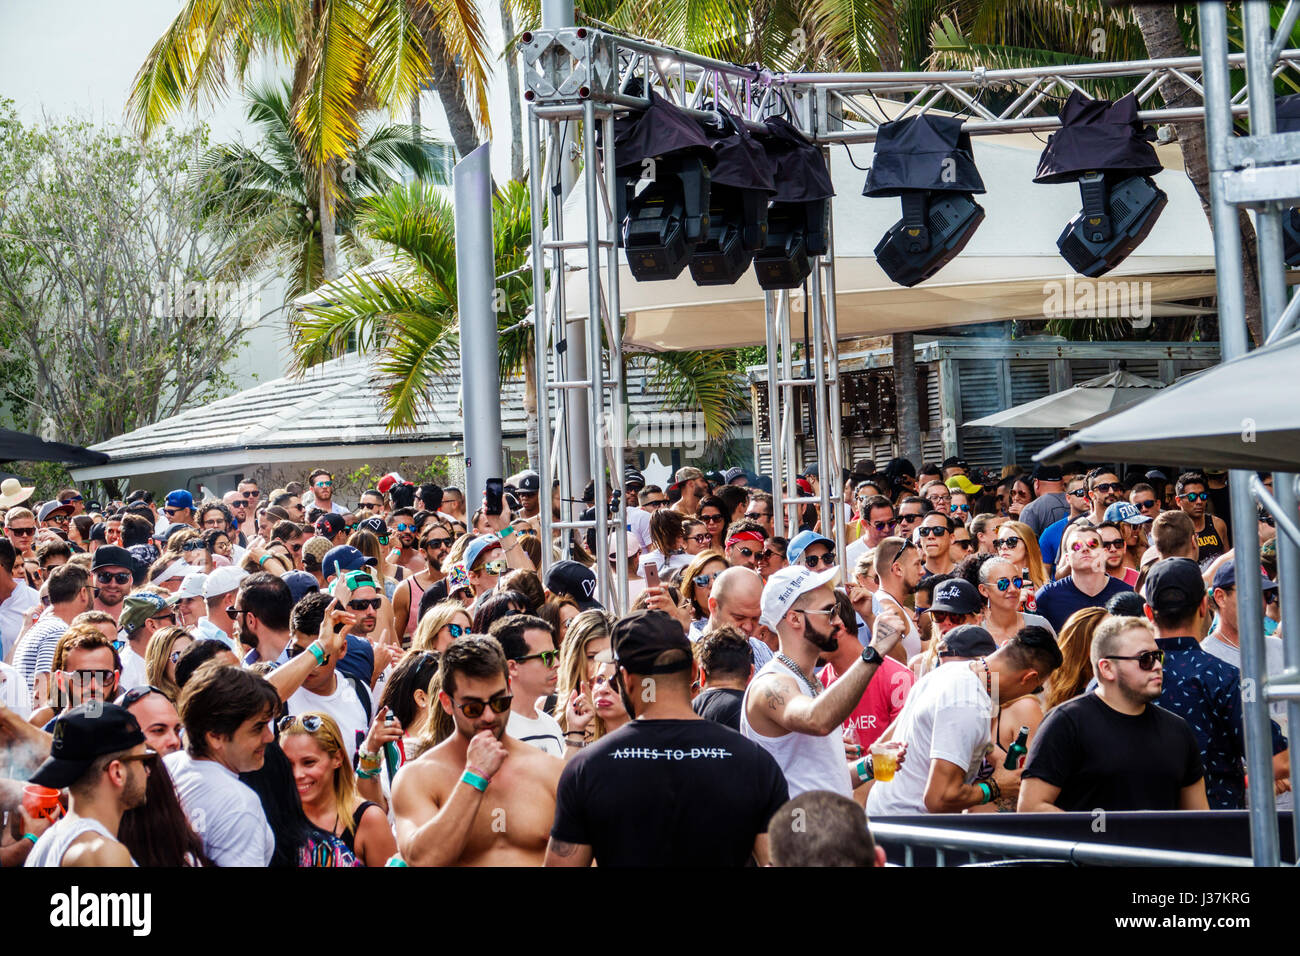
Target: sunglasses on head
[935,530]
[826,560]
[1147,660]
[1196,496]
[139,693]
[114,577]
[473,709]
[548,658]
[309,722]
[1005,583]
[363,604]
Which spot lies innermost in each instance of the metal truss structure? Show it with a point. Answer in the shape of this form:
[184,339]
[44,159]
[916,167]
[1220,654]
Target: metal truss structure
[576,78]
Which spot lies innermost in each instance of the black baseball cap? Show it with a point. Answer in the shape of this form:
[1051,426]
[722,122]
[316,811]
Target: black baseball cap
[650,642]
[1044,472]
[111,556]
[1226,577]
[956,596]
[968,640]
[1174,586]
[574,580]
[329,524]
[81,735]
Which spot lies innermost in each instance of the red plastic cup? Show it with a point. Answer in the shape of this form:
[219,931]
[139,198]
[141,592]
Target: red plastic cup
[40,801]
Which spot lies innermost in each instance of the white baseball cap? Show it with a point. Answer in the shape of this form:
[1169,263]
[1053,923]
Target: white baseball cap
[784,587]
[223,580]
[191,585]
[177,569]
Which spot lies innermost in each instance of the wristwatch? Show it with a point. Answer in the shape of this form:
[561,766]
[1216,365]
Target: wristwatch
[871,656]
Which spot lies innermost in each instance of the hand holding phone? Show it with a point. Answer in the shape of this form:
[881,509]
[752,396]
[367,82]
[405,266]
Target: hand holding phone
[651,574]
[492,496]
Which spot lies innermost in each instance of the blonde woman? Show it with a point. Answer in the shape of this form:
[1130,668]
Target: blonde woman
[163,651]
[441,625]
[1018,544]
[327,787]
[587,637]
[697,583]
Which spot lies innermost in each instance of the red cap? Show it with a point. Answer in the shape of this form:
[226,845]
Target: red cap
[387,482]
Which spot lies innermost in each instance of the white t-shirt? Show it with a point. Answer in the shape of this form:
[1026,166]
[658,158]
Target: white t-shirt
[542,732]
[947,716]
[638,522]
[225,812]
[134,670]
[343,705]
[12,610]
[855,549]
[13,691]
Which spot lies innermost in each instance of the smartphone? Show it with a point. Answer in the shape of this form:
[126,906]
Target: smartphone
[651,575]
[495,489]
[342,593]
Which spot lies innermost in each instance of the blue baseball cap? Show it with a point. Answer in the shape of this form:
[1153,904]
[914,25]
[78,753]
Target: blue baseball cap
[1226,577]
[1123,511]
[800,542]
[343,558]
[180,498]
[300,584]
[476,547]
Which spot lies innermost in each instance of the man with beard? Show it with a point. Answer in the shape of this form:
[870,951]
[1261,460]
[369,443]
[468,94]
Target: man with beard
[320,493]
[694,488]
[1104,489]
[1191,496]
[786,711]
[1112,749]
[111,569]
[99,754]
[445,814]
[404,536]
[364,601]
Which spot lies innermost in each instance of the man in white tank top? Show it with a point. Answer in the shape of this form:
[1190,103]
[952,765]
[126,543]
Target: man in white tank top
[99,755]
[899,569]
[786,711]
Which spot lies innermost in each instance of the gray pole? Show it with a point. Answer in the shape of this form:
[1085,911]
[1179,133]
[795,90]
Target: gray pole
[480,381]
[1235,342]
[557,14]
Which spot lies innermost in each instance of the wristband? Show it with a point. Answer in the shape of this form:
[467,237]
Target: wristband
[987,791]
[30,836]
[474,780]
[318,652]
[864,769]
[506,532]
[367,774]
[266,557]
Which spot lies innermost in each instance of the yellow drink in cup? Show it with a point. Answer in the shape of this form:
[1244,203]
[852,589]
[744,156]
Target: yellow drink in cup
[883,765]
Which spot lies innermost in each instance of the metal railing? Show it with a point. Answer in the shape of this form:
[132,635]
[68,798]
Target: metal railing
[1000,846]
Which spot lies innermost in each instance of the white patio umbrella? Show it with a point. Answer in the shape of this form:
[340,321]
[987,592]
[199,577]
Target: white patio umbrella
[1074,407]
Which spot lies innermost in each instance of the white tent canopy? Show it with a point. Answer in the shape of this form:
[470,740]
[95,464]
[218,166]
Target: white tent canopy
[1010,269]
[1075,406]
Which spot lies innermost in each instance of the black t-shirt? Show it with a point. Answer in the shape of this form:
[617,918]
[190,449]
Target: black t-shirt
[1102,759]
[721,705]
[669,793]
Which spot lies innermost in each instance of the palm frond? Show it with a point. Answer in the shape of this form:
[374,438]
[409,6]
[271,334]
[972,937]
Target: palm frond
[706,380]
[461,26]
[399,60]
[325,117]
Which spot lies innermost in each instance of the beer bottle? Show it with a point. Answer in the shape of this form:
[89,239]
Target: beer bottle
[1016,752]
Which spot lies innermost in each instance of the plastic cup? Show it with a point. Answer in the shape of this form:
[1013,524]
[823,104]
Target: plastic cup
[40,801]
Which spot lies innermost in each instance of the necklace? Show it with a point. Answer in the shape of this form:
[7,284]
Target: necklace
[813,687]
[988,678]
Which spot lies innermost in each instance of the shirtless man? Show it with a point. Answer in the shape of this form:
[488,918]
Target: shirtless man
[445,816]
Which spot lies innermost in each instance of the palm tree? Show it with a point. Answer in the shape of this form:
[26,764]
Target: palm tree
[263,200]
[346,56]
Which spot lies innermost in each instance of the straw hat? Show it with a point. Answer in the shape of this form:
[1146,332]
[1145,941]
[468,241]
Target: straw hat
[12,492]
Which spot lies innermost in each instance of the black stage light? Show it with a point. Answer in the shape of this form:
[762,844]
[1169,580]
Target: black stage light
[926,161]
[661,225]
[798,221]
[1103,147]
[741,185]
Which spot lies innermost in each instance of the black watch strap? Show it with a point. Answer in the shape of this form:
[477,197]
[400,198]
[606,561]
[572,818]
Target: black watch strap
[871,656]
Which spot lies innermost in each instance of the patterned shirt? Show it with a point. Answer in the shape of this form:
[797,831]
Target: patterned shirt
[1206,692]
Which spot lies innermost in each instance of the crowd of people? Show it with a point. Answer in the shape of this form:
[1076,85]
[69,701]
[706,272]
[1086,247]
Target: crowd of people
[287,680]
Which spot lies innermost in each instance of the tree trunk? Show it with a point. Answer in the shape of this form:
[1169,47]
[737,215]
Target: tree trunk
[909,421]
[512,84]
[329,250]
[446,81]
[1159,28]
[417,131]
[530,412]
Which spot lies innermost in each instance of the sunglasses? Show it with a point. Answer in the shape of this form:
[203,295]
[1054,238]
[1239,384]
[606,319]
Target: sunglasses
[1108,486]
[1147,660]
[657,503]
[294,649]
[473,709]
[195,545]
[309,722]
[932,530]
[168,616]
[175,656]
[113,577]
[1113,545]
[701,538]
[22,531]
[965,544]
[69,501]
[438,543]
[812,560]
[965,508]
[59,519]
[139,693]
[87,676]
[171,511]
[1078,493]
[711,519]
[768,553]
[1267,519]
[1196,496]
[1081,545]
[757,515]
[745,552]
[883,525]
[909,518]
[704,580]
[1147,505]
[1008,542]
[324,484]
[495,567]
[404,527]
[148,758]
[1005,583]
[362,604]
[548,658]
[943,617]
[456,630]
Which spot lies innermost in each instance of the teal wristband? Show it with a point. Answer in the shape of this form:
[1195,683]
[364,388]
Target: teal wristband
[318,652]
[506,532]
[30,836]
[864,770]
[367,774]
[988,792]
[474,780]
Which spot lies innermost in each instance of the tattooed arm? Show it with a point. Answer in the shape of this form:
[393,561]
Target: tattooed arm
[559,853]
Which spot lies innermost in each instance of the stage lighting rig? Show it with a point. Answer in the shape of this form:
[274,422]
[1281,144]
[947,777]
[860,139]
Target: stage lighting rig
[798,221]
[741,185]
